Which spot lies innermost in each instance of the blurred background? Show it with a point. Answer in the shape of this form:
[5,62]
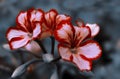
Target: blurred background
[106,13]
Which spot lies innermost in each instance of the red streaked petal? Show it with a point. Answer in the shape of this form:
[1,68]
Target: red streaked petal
[18,42]
[62,17]
[90,50]
[33,47]
[64,32]
[81,33]
[14,32]
[46,31]
[45,34]
[37,30]
[22,20]
[80,22]
[81,63]
[64,52]
[35,15]
[50,17]
[94,29]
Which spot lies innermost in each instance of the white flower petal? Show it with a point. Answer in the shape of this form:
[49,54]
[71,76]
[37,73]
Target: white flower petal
[65,52]
[22,20]
[80,34]
[90,50]
[36,15]
[62,17]
[15,44]
[37,30]
[13,32]
[81,63]
[94,29]
[64,32]
[50,17]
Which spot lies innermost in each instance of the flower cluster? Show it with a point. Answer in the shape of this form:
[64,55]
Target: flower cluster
[75,42]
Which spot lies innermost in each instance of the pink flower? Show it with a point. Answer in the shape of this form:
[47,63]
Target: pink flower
[51,20]
[27,29]
[75,45]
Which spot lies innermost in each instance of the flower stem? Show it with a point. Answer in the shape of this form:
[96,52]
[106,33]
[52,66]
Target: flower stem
[33,54]
[55,60]
[21,56]
[33,61]
[53,45]
[19,71]
[41,45]
[37,56]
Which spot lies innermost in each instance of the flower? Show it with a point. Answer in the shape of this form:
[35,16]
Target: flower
[51,20]
[93,27]
[27,29]
[75,45]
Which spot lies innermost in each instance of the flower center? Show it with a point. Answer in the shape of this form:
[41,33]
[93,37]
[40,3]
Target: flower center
[73,50]
[30,35]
